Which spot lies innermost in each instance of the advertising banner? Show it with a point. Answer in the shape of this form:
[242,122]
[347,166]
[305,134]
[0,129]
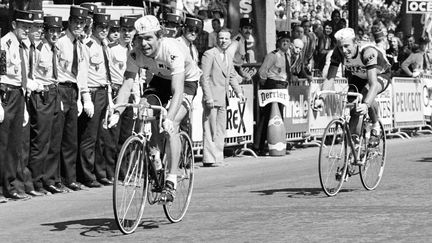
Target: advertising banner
[318,120]
[407,102]
[427,96]
[239,117]
[266,96]
[419,7]
[297,109]
[385,111]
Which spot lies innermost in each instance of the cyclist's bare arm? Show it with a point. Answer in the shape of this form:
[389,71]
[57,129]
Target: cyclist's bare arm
[328,83]
[125,92]
[177,87]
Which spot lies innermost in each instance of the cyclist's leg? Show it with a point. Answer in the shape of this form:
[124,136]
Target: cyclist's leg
[356,84]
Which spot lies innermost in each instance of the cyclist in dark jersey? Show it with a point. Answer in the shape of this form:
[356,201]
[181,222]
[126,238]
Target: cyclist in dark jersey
[368,71]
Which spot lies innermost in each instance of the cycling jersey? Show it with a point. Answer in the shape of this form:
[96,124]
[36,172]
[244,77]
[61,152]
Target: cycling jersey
[367,57]
[169,60]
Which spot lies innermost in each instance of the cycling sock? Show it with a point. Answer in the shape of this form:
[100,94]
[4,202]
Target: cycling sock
[172,178]
[376,127]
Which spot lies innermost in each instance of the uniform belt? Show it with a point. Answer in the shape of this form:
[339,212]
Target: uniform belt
[6,87]
[93,89]
[115,86]
[48,87]
[68,84]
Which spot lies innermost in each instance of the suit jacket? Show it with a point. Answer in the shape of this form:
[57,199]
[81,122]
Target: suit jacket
[217,76]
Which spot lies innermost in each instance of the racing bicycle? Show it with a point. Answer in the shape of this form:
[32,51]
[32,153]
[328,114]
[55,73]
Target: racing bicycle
[341,157]
[137,181]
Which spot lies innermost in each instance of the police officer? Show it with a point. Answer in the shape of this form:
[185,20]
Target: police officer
[91,163]
[114,33]
[190,31]
[72,85]
[92,9]
[43,106]
[173,24]
[240,45]
[275,73]
[12,102]
[25,173]
[110,138]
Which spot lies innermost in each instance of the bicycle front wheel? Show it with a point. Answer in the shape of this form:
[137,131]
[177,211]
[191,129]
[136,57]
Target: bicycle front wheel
[332,162]
[372,170]
[130,185]
[176,210]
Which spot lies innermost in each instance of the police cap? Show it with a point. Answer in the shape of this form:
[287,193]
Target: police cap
[78,12]
[38,16]
[127,21]
[23,16]
[246,22]
[173,18]
[92,8]
[101,19]
[114,23]
[52,22]
[283,35]
[193,23]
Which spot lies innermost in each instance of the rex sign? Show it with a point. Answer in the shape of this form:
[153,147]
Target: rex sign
[419,7]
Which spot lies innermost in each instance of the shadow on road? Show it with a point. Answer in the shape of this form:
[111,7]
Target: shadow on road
[99,227]
[298,192]
[425,159]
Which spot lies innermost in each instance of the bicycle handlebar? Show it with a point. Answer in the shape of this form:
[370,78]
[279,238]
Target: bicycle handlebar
[318,94]
[140,106]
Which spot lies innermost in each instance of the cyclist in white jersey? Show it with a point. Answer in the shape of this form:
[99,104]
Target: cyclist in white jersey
[175,77]
[368,71]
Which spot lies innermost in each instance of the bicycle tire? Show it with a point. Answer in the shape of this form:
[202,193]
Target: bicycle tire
[332,162]
[176,210]
[372,170]
[130,185]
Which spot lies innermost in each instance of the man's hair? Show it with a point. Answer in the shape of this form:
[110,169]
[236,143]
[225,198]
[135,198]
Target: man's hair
[224,29]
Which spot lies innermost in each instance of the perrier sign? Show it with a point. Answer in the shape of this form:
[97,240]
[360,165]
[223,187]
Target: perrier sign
[419,7]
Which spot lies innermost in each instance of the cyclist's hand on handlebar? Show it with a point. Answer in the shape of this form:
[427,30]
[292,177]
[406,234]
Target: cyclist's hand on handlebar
[362,108]
[113,119]
[168,126]
[318,103]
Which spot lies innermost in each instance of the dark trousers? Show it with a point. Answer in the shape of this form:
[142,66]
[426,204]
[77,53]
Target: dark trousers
[42,106]
[112,139]
[91,164]
[65,138]
[24,174]
[261,134]
[11,134]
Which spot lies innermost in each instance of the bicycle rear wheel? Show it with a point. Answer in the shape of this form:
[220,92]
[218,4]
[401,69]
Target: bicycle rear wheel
[176,210]
[130,185]
[372,170]
[332,162]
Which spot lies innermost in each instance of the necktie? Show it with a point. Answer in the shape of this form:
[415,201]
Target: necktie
[54,62]
[225,60]
[23,67]
[31,55]
[246,51]
[425,61]
[287,68]
[191,51]
[75,58]
[106,61]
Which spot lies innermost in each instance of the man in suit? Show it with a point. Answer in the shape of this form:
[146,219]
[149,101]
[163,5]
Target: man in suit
[218,74]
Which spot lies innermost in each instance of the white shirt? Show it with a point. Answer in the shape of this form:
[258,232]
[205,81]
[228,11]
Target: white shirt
[10,44]
[66,48]
[97,73]
[274,66]
[119,54]
[187,45]
[43,69]
[169,60]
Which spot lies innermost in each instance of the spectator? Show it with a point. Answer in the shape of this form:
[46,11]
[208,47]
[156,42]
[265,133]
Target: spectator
[243,41]
[380,40]
[297,60]
[417,61]
[309,39]
[275,73]
[393,54]
[408,47]
[218,74]
[325,44]
[190,32]
[335,17]
[216,25]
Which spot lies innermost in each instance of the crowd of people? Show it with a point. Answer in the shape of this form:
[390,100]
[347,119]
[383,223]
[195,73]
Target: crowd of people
[58,131]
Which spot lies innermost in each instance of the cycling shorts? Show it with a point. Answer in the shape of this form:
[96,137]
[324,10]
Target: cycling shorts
[357,84]
[162,88]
